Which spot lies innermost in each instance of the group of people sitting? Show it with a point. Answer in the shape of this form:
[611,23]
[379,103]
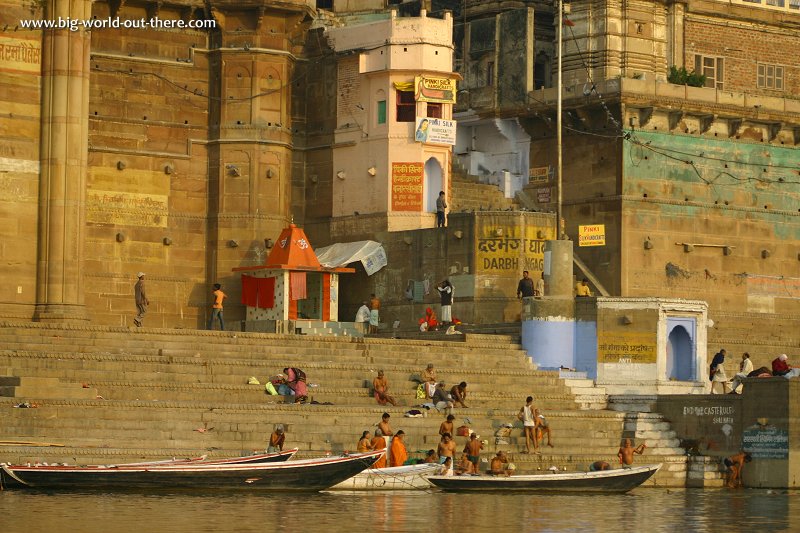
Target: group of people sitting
[437,397]
[717,375]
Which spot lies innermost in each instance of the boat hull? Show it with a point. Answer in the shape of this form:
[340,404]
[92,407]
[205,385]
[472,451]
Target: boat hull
[411,477]
[606,481]
[304,475]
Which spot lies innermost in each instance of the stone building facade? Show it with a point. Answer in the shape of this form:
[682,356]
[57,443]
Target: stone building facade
[166,149]
[697,187]
[183,151]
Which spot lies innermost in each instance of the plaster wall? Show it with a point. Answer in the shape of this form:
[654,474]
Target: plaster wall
[484,273]
[762,421]
[550,342]
[749,207]
[771,432]
[707,424]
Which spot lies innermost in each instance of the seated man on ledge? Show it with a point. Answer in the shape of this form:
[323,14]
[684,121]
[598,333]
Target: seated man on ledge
[498,465]
[781,367]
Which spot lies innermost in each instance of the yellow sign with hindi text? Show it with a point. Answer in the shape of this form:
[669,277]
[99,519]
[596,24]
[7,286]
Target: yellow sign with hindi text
[629,347]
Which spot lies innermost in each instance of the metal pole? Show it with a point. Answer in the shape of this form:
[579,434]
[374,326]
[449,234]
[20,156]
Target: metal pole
[559,215]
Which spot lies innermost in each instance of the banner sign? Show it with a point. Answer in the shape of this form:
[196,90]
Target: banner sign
[407,181]
[375,261]
[435,130]
[439,90]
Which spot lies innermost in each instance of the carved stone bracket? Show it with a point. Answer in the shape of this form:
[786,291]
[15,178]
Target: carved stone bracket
[153,9]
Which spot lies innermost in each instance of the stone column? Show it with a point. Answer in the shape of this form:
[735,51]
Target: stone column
[64,154]
[558,281]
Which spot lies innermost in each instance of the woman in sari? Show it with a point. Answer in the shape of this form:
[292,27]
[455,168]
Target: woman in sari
[364,444]
[379,443]
[297,383]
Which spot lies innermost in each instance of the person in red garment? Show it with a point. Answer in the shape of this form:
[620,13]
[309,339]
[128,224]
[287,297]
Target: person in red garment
[399,453]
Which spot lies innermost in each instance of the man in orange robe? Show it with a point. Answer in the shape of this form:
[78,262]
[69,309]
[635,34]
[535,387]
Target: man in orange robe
[399,453]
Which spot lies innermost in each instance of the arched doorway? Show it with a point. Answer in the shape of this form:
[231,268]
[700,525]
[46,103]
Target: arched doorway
[680,359]
[433,183]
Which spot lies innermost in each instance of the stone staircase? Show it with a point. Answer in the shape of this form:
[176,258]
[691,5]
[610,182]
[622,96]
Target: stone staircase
[468,194]
[704,472]
[158,393]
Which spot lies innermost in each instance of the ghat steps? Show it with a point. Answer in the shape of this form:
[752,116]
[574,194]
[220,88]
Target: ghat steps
[182,393]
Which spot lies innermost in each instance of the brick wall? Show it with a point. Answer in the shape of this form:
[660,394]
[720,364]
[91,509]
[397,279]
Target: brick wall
[743,45]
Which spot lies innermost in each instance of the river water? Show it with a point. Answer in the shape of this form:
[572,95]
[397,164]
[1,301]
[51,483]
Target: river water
[643,510]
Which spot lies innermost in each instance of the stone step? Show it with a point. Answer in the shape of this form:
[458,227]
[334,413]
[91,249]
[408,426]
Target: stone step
[445,355]
[98,334]
[81,367]
[43,387]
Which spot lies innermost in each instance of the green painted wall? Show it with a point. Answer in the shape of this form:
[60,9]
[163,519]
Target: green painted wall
[711,193]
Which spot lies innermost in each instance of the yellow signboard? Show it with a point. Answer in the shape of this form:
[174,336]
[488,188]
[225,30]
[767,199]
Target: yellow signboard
[441,90]
[506,250]
[540,174]
[629,347]
[593,235]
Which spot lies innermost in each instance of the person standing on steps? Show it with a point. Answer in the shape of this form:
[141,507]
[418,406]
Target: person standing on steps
[374,313]
[525,286]
[446,292]
[441,205]
[141,300]
[528,417]
[216,308]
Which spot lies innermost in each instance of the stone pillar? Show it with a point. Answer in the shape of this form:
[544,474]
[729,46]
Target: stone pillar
[676,12]
[63,157]
[558,280]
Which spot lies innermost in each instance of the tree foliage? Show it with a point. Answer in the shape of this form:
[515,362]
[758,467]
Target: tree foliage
[681,76]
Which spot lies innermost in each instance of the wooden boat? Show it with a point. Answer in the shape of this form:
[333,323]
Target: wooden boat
[303,475]
[409,477]
[618,480]
[275,457]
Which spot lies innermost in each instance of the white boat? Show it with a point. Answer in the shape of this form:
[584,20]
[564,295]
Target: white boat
[409,477]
